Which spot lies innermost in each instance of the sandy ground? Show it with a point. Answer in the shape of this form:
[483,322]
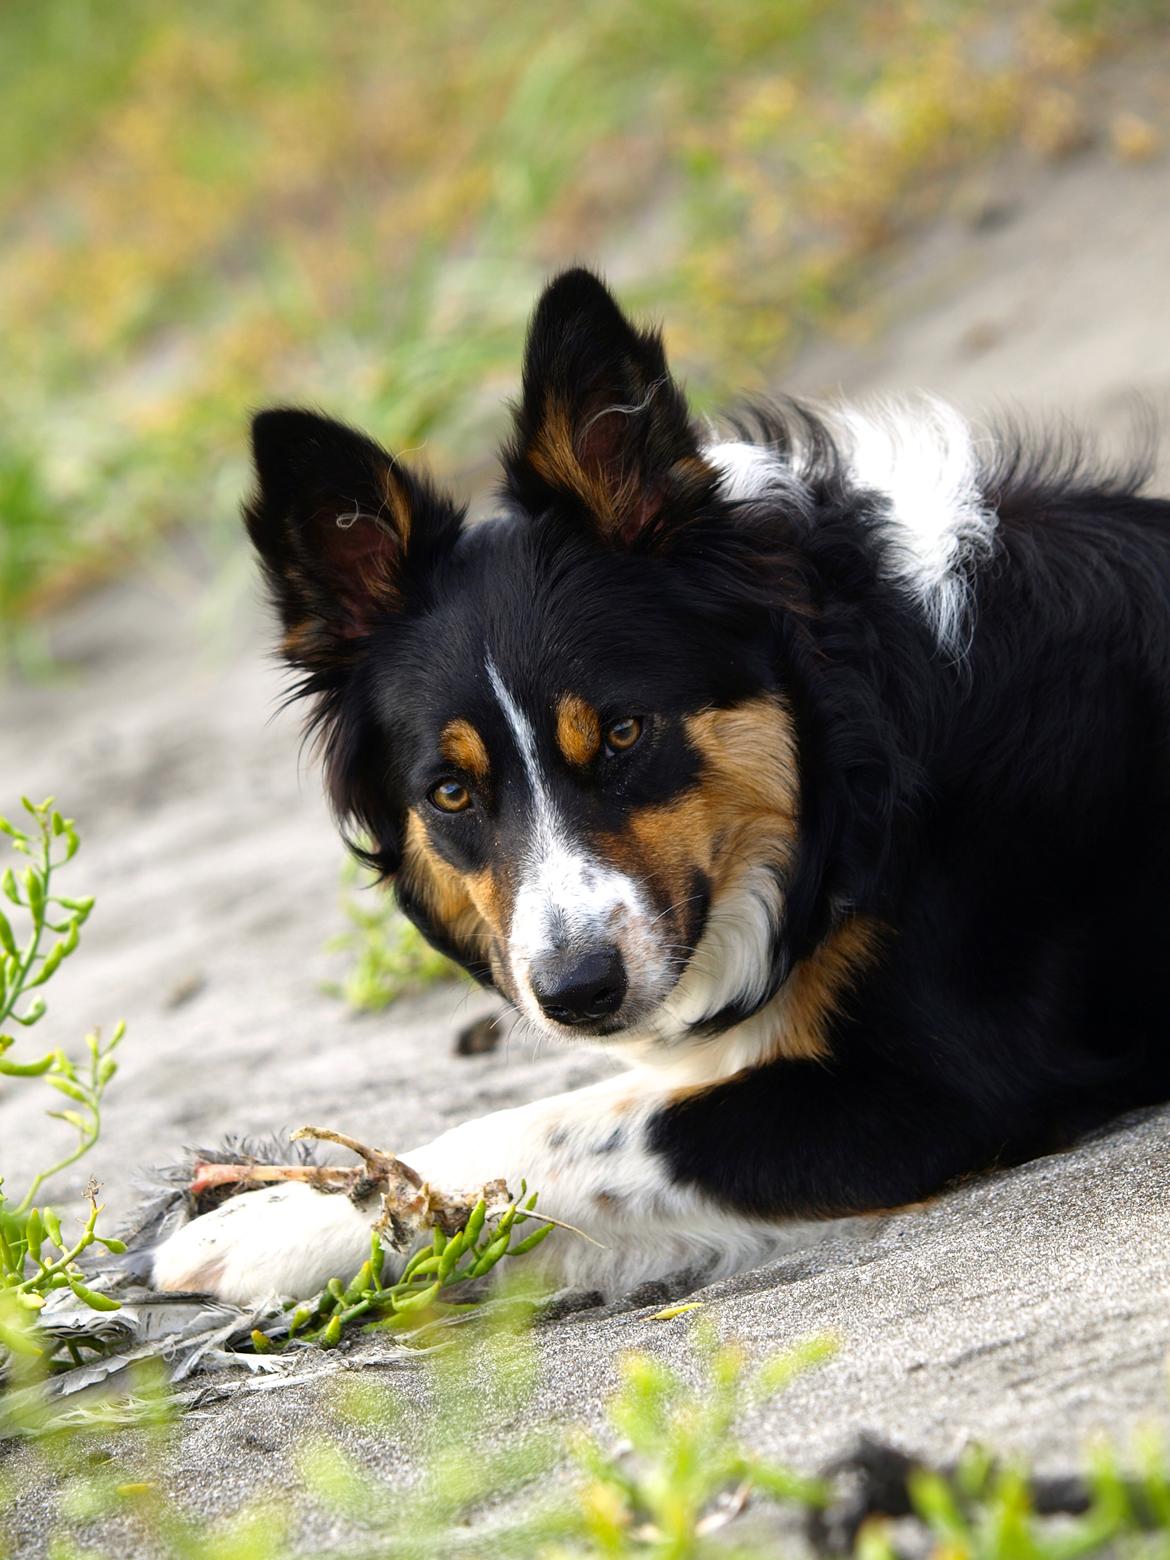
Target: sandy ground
[1030,1308]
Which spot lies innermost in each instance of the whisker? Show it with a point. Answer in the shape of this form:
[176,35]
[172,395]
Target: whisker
[671,908]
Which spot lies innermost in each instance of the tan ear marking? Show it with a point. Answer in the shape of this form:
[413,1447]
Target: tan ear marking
[554,458]
[299,641]
[367,568]
[461,744]
[578,730]
[396,503]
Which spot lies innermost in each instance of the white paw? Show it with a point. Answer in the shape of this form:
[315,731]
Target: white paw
[285,1240]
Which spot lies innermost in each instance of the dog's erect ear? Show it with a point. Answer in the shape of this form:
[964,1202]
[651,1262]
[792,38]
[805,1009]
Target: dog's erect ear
[344,530]
[601,423]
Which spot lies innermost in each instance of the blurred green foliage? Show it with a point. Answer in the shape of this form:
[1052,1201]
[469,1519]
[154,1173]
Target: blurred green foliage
[39,929]
[489,1480]
[387,957]
[375,1301]
[667,1477]
[211,206]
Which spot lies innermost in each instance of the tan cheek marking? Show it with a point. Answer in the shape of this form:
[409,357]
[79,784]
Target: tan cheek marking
[578,730]
[491,896]
[749,785]
[472,909]
[815,991]
[664,846]
[744,813]
[461,745]
[741,813]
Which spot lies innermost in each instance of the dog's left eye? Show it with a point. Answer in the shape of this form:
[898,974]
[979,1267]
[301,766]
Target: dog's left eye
[450,797]
[622,734]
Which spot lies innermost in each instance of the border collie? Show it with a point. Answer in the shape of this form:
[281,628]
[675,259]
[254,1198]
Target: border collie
[819,771]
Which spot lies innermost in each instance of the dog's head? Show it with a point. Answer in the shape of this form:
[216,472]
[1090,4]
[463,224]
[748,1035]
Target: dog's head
[562,728]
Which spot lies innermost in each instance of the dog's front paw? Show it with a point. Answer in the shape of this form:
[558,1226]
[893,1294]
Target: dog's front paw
[286,1240]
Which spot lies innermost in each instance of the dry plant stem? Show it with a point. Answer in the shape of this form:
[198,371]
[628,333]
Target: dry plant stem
[381,1169]
[379,1165]
[409,1204]
[328,1178]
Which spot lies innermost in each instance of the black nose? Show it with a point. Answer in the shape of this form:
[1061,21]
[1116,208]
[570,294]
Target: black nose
[578,989]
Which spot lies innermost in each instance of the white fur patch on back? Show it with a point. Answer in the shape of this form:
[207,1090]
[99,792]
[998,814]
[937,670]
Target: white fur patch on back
[920,456]
[748,470]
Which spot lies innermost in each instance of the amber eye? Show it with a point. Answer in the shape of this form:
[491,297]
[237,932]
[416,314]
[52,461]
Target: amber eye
[622,734]
[450,797]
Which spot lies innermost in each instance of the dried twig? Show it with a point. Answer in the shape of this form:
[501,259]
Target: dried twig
[409,1204]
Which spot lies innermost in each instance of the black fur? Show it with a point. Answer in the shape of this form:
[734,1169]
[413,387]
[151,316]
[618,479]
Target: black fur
[1008,819]
[1003,814]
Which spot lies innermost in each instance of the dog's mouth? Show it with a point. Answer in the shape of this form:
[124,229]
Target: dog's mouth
[593,1029]
[602,1029]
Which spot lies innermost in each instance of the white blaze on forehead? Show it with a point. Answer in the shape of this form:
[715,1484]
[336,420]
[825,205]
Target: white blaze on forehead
[566,897]
[563,890]
[522,733]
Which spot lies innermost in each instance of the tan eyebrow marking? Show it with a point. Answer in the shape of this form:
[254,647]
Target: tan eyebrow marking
[462,745]
[578,730]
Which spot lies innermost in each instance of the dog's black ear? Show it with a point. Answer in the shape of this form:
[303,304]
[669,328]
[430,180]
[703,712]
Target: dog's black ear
[601,425]
[345,532]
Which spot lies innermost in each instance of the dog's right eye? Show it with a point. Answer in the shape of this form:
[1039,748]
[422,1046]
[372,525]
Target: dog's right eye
[450,797]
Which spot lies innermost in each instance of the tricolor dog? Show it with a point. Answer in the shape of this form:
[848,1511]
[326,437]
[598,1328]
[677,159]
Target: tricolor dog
[817,768]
